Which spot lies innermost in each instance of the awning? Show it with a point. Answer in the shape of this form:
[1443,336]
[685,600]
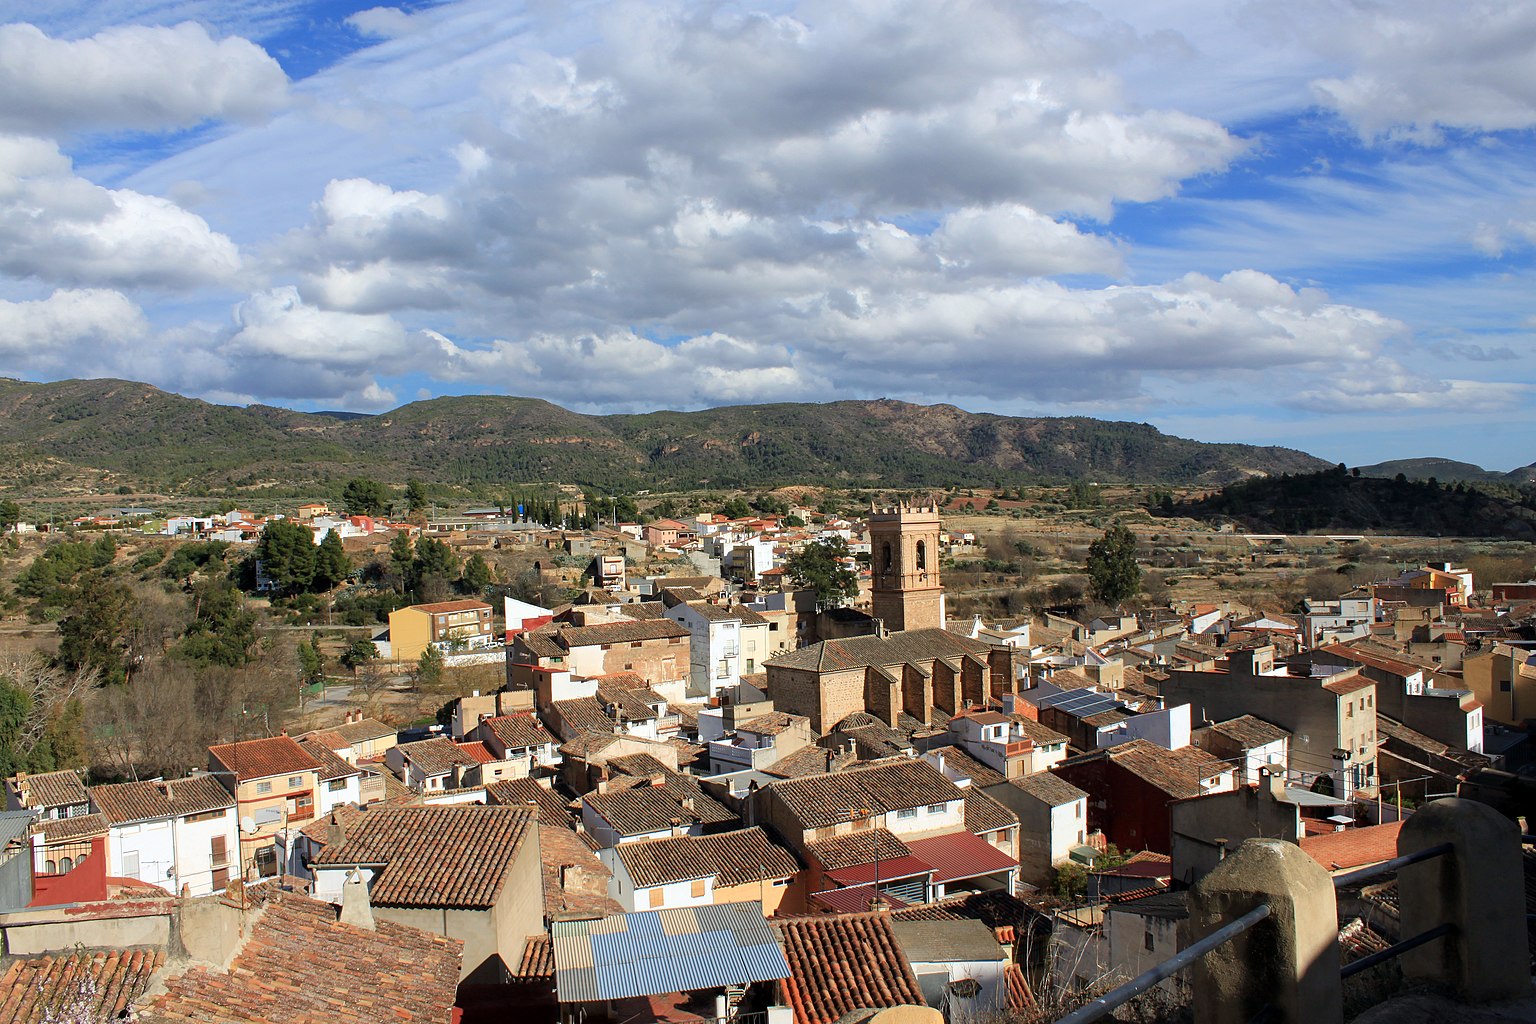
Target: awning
[960,855]
[885,870]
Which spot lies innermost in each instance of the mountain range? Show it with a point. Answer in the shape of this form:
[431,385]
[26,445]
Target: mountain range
[135,434]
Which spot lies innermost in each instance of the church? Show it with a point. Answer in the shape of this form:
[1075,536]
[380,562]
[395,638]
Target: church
[910,665]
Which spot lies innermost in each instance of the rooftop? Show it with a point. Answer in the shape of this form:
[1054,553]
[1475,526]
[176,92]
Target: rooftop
[53,988]
[876,788]
[733,858]
[262,759]
[144,801]
[300,965]
[51,789]
[434,856]
[844,962]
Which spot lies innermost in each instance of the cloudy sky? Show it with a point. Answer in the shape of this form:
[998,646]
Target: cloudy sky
[1308,224]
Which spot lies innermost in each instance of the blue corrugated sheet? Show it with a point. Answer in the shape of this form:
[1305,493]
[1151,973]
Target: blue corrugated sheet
[633,955]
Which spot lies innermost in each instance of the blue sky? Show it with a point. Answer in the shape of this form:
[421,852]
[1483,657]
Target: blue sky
[1309,226]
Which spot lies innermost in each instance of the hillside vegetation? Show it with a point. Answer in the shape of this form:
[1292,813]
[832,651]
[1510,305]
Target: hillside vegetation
[135,434]
[1338,501]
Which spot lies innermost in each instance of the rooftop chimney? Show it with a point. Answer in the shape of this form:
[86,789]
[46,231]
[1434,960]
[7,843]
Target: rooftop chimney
[355,908]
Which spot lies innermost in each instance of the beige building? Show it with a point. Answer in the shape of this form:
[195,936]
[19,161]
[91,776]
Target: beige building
[1503,678]
[688,871]
[912,672]
[467,872]
[905,592]
[276,786]
[445,623]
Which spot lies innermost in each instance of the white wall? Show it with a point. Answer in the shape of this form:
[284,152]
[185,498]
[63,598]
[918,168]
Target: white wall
[351,792]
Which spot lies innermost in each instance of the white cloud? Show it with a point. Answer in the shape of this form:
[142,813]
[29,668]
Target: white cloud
[73,332]
[382,22]
[132,76]
[1417,66]
[58,227]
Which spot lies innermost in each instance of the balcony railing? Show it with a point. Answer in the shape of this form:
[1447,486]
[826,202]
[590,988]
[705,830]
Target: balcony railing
[1458,863]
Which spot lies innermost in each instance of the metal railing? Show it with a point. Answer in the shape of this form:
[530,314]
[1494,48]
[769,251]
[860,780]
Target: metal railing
[1397,949]
[1116,998]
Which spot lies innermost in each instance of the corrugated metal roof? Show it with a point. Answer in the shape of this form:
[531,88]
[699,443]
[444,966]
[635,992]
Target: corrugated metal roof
[662,951]
[885,870]
[960,855]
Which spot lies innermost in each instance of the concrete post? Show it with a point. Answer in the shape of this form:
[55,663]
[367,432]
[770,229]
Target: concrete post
[1476,889]
[1290,959]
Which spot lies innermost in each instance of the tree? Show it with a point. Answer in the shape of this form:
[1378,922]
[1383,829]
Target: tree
[415,496]
[331,563]
[477,575]
[359,654]
[93,635]
[429,669]
[10,515]
[402,555]
[311,660]
[223,629]
[821,567]
[286,551]
[364,497]
[434,558]
[1113,575]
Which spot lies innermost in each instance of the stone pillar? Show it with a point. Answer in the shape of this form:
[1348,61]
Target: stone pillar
[1290,959]
[1476,889]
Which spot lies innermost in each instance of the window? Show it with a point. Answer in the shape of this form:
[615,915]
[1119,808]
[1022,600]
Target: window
[750,666]
[50,867]
[66,865]
[936,808]
[657,898]
[205,815]
[1078,812]
[336,785]
[1147,940]
[218,853]
[607,647]
[907,812]
[264,787]
[637,643]
[1349,709]
[697,889]
[295,781]
[674,639]
[1503,685]
[723,670]
[922,555]
[131,863]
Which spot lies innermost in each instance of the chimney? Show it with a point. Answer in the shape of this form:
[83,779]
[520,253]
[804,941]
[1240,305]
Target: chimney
[687,803]
[355,908]
[879,905]
[335,835]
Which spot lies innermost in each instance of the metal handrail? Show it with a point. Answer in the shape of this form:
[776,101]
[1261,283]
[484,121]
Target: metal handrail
[1388,866]
[1365,963]
[1114,999]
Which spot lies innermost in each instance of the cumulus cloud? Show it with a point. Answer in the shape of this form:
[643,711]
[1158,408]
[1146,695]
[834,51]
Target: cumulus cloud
[133,76]
[58,227]
[73,332]
[1417,66]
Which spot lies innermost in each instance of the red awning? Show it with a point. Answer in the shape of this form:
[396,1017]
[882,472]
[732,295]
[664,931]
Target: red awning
[959,855]
[885,870]
[854,900]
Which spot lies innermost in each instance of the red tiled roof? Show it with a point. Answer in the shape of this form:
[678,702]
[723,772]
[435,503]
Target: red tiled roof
[551,807]
[144,801]
[301,965]
[102,985]
[332,766]
[435,856]
[844,962]
[476,750]
[439,607]
[960,855]
[1353,847]
[517,732]
[52,789]
[262,759]
[733,858]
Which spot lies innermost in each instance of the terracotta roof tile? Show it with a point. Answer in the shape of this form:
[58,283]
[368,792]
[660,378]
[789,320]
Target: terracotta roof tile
[733,858]
[844,962]
[1353,847]
[145,801]
[435,856]
[856,848]
[1250,731]
[538,958]
[78,826]
[52,789]
[984,814]
[436,756]
[332,766]
[518,732]
[878,787]
[914,645]
[1049,789]
[102,985]
[361,731]
[579,896]
[959,759]
[262,759]
[550,807]
[622,632]
[300,965]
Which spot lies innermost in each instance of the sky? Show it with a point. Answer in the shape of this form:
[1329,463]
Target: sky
[1308,224]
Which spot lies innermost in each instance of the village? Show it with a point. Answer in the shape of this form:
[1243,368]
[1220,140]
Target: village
[782,783]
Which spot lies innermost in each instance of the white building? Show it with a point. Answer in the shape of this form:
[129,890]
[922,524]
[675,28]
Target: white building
[718,638]
[179,834]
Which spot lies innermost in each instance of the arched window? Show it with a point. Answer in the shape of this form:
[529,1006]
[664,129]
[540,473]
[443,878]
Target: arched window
[66,865]
[885,557]
[922,556]
[50,867]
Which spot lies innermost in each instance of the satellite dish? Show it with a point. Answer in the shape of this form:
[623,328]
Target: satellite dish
[248,825]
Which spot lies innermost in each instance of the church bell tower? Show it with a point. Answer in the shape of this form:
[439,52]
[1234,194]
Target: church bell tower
[904,561]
